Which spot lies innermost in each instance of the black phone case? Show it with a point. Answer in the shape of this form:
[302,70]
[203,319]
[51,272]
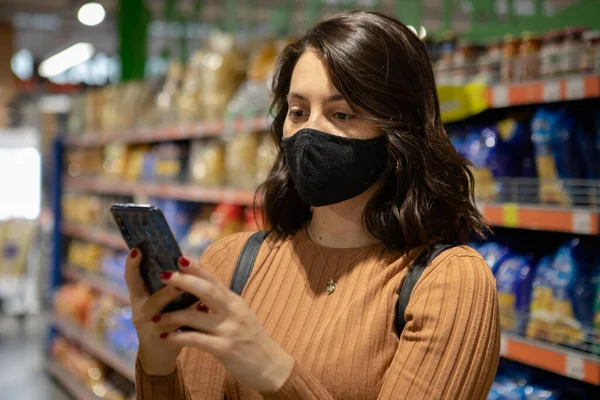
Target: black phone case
[145,227]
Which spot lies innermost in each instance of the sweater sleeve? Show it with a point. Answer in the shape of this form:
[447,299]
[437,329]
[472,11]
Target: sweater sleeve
[169,387]
[450,346]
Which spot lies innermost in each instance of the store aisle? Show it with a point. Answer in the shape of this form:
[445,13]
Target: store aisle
[22,375]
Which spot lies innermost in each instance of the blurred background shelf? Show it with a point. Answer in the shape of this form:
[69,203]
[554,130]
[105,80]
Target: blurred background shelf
[97,282]
[95,235]
[68,381]
[188,131]
[187,192]
[95,347]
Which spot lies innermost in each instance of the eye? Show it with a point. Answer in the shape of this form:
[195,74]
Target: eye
[295,113]
[340,116]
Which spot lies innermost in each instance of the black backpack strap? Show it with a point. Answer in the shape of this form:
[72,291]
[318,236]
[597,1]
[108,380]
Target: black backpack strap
[246,261]
[414,273]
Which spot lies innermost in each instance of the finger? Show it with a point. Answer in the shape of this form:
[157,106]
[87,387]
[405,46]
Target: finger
[159,300]
[135,284]
[193,268]
[215,345]
[215,297]
[191,317]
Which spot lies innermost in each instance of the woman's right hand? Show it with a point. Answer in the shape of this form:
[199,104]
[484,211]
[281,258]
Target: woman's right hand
[156,356]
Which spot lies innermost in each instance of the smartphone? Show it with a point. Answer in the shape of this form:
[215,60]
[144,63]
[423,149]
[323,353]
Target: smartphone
[145,227]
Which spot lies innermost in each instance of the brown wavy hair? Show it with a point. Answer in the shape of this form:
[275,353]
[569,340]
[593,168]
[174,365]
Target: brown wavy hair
[383,71]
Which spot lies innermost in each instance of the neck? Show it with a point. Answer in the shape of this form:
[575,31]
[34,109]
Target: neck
[341,225]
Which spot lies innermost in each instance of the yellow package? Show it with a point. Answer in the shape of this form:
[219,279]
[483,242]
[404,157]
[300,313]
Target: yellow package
[207,162]
[15,242]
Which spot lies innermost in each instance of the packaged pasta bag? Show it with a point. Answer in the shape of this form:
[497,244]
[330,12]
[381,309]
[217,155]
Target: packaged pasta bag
[189,101]
[567,264]
[207,162]
[253,97]
[542,315]
[222,71]
[476,151]
[265,158]
[514,280]
[550,190]
[16,237]
[494,254]
[241,160]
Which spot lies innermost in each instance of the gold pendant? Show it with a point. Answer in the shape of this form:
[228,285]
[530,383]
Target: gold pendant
[330,287]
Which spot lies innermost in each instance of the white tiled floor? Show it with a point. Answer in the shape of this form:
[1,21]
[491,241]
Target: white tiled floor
[22,375]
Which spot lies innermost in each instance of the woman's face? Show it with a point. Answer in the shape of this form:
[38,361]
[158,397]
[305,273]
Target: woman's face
[313,102]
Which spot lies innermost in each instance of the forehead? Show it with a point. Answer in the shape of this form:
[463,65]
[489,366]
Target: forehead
[310,76]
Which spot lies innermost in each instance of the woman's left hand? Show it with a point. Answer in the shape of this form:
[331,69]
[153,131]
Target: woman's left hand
[227,328]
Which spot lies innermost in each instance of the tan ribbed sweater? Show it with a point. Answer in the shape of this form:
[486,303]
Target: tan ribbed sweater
[345,345]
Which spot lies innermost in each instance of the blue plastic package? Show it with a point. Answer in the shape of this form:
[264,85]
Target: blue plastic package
[567,266]
[569,162]
[514,279]
[541,307]
[493,253]
[586,139]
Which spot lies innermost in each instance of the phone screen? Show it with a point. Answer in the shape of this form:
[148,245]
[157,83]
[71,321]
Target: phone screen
[145,227]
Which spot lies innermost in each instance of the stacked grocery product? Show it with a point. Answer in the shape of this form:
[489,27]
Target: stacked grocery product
[219,81]
[551,295]
[90,372]
[529,56]
[98,315]
[555,150]
[516,382]
[242,162]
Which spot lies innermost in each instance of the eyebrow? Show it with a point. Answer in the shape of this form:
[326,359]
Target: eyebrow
[330,99]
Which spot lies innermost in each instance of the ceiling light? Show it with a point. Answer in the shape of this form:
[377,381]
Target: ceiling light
[68,58]
[91,14]
[422,32]
[412,28]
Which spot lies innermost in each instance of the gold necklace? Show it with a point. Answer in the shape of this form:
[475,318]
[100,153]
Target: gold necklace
[331,285]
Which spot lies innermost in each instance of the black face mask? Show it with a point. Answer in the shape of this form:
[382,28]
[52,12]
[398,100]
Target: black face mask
[329,169]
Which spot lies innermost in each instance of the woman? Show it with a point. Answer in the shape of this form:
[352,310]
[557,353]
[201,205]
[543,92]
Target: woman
[365,178]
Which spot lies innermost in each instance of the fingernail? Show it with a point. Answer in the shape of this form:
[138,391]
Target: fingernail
[202,307]
[184,262]
[165,275]
[164,335]
[156,318]
[133,253]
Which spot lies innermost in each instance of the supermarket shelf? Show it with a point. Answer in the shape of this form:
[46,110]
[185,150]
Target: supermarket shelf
[97,282]
[74,387]
[174,132]
[95,347]
[188,192]
[544,91]
[551,357]
[95,235]
[571,220]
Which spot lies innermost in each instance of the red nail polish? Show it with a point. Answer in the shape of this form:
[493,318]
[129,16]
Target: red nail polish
[156,318]
[164,335]
[133,253]
[184,262]
[202,307]
[165,275]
